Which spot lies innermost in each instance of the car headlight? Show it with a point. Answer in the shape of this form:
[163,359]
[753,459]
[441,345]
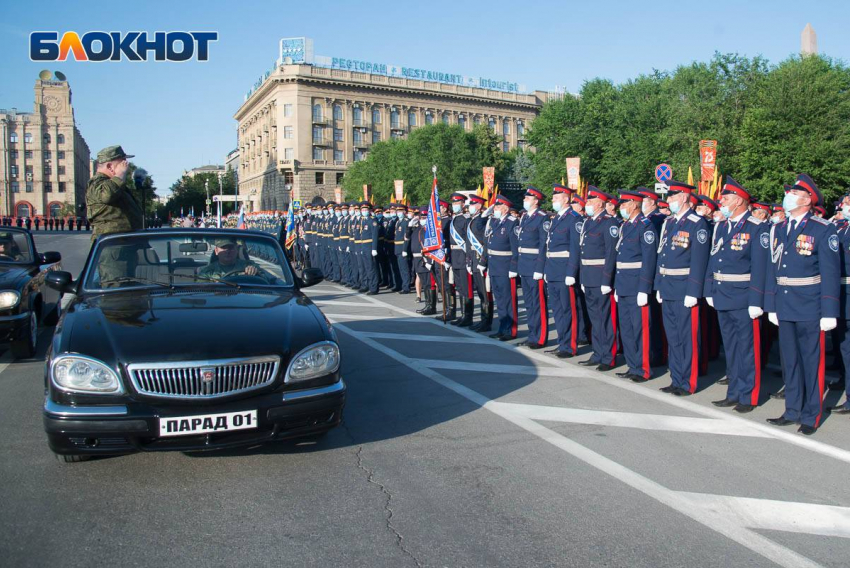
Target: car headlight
[9,299]
[314,361]
[76,373]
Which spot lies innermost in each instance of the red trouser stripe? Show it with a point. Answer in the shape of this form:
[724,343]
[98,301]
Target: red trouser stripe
[694,348]
[469,286]
[613,329]
[754,397]
[574,321]
[513,307]
[821,372]
[433,282]
[544,313]
[644,317]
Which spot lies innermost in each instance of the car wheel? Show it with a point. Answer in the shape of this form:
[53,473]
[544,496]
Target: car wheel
[70,459]
[24,348]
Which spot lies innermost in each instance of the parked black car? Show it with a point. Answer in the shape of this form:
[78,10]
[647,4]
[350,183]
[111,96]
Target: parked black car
[25,299]
[188,339]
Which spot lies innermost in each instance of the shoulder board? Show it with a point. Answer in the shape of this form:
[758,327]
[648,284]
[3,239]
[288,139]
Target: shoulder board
[693,217]
[511,218]
[574,213]
[646,221]
[820,220]
[538,212]
[754,220]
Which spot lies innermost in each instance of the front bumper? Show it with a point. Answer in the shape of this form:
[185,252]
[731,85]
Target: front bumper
[13,327]
[132,428]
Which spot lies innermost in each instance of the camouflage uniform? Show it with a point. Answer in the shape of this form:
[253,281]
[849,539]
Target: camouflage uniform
[217,270]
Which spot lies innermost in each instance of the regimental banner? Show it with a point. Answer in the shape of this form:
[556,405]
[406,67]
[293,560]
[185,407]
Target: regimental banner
[432,242]
[338,194]
[707,159]
[367,192]
[399,190]
[489,180]
[573,168]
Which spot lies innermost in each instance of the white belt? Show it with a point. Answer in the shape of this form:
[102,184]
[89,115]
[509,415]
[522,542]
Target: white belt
[560,254]
[523,250]
[845,280]
[627,265]
[417,255]
[674,271]
[731,277]
[785,281]
[593,261]
[499,253]
[457,247]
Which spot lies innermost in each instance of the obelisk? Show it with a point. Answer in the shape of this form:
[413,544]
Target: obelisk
[808,41]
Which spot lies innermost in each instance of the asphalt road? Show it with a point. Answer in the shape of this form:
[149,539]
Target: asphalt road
[456,451]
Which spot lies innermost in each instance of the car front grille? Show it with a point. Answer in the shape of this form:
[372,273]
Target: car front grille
[203,379]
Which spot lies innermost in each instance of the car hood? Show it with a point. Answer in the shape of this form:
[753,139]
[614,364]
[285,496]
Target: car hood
[160,326]
[10,274]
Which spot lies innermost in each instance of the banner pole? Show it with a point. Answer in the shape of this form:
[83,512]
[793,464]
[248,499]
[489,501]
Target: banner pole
[445,292]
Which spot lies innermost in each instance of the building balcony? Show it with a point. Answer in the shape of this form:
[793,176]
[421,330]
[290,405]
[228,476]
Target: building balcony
[360,123]
[398,127]
[362,143]
[322,141]
[320,120]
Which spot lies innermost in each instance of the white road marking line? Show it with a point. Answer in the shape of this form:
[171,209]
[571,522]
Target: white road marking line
[767,514]
[340,303]
[335,317]
[529,370]
[730,526]
[6,360]
[627,419]
[431,338]
[650,392]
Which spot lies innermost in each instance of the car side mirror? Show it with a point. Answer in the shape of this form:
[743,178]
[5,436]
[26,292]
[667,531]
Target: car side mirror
[311,277]
[61,281]
[50,257]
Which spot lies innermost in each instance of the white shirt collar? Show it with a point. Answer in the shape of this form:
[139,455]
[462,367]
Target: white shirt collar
[739,217]
[797,219]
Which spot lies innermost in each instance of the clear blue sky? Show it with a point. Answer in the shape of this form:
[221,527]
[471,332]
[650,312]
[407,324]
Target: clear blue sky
[175,116]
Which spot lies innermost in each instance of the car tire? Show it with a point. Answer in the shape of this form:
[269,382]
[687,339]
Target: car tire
[24,348]
[61,458]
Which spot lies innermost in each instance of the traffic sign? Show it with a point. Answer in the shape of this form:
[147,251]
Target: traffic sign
[663,173]
[218,198]
[296,203]
[208,201]
[661,188]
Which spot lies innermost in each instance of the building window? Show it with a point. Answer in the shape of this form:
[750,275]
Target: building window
[476,120]
[287,110]
[506,128]
[492,123]
[15,188]
[317,113]
[394,122]
[395,134]
[47,138]
[61,170]
[13,137]
[29,170]
[60,155]
[320,178]
[47,155]
[55,210]
[288,178]
[520,130]
[506,146]
[358,137]
[13,154]
[376,116]
[28,138]
[376,136]
[445,118]
[359,155]
[461,120]
[338,134]
[288,133]
[61,187]
[428,118]
[318,154]
[338,156]
[22,210]
[317,134]
[411,119]
[337,112]
[521,144]
[47,170]
[288,153]
[60,139]
[358,116]
[28,154]
[29,187]
[48,187]
[13,170]
[339,177]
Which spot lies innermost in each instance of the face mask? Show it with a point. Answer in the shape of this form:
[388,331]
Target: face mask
[675,207]
[473,209]
[357,213]
[526,204]
[790,202]
[725,211]
[364,213]
[345,212]
[337,214]
[589,210]
[497,214]
[399,215]
[410,215]
[845,211]
[646,209]
[557,206]
[624,214]
[380,215]
[456,208]
[775,220]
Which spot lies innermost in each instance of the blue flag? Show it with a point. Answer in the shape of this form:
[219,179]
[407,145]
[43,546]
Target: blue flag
[432,243]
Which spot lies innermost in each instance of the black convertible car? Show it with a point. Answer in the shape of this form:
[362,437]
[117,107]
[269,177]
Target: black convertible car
[25,299]
[188,339]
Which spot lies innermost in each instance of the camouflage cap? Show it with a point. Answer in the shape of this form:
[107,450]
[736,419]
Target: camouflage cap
[112,153]
[224,241]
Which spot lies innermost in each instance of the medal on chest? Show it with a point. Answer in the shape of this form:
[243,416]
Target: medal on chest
[804,244]
[682,239]
[739,241]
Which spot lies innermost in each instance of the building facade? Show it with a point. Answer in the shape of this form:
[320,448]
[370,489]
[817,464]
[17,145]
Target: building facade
[44,160]
[303,127]
[211,169]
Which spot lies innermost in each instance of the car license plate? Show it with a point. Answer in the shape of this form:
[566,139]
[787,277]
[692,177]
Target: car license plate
[207,423]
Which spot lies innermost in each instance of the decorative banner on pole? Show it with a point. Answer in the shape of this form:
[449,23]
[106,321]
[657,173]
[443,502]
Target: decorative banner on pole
[399,190]
[489,180]
[338,194]
[432,242]
[707,159]
[573,168]
[367,192]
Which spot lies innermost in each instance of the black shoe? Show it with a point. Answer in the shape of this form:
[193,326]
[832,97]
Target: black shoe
[532,345]
[397,290]
[363,290]
[781,421]
[604,367]
[682,392]
[485,327]
[371,293]
[637,379]
[624,374]
[744,408]
[841,409]
[497,336]
[404,291]
[669,388]
[836,386]
[807,430]
[506,338]
[778,395]
[725,403]
[723,381]
[588,363]
[555,350]
[565,355]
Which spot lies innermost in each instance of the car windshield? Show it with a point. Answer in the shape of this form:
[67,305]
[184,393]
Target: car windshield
[191,259]
[14,247]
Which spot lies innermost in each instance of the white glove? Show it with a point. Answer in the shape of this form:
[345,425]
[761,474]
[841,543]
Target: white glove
[755,312]
[570,281]
[538,276]
[404,253]
[771,317]
[658,296]
[582,287]
[374,253]
[828,324]
[306,247]
[489,211]
[642,299]
[347,249]
[616,297]
[545,279]
[427,266]
[690,301]
[482,269]
[512,274]
[710,301]
[605,290]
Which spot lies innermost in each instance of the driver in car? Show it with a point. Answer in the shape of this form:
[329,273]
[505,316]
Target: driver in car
[8,249]
[228,263]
